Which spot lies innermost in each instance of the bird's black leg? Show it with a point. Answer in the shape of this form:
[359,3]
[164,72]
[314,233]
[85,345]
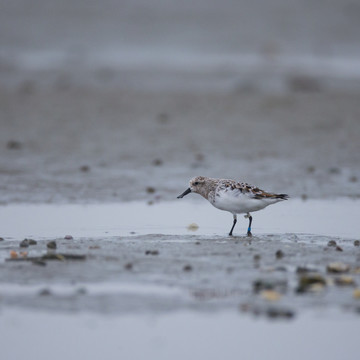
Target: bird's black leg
[250,222]
[234,223]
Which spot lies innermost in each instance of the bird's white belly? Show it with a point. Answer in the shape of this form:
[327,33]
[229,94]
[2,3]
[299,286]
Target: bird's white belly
[238,203]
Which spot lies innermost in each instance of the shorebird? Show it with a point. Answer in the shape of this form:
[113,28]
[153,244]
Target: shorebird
[235,197]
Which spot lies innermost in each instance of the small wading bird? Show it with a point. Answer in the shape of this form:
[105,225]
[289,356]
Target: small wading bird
[235,197]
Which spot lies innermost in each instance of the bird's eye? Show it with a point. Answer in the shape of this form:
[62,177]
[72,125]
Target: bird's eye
[196,183]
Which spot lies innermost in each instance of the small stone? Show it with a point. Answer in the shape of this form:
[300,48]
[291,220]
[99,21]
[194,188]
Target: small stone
[150,190]
[14,145]
[187,268]
[68,237]
[311,282]
[13,254]
[345,280]
[279,254]
[1,239]
[24,254]
[278,285]
[151,252]
[356,293]
[24,243]
[85,168]
[353,179]
[304,197]
[197,242]
[157,162]
[94,247]
[337,267]
[270,295]
[44,292]
[305,270]
[257,257]
[81,291]
[193,227]
[356,242]
[32,241]
[339,248]
[128,266]
[280,313]
[332,243]
[51,245]
[310,169]
[163,118]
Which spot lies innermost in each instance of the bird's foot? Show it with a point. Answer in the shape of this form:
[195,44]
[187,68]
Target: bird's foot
[249,234]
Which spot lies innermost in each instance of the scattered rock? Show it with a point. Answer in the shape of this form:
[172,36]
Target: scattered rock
[279,254]
[14,145]
[24,243]
[81,291]
[193,227]
[68,237]
[51,245]
[345,280]
[44,292]
[337,267]
[257,257]
[270,295]
[150,190]
[197,242]
[305,270]
[334,171]
[310,283]
[356,242]
[356,293]
[339,248]
[304,197]
[128,266]
[187,268]
[275,313]
[261,285]
[310,169]
[157,162]
[13,254]
[94,247]
[332,243]
[84,168]
[151,252]
[1,239]
[353,179]
[32,241]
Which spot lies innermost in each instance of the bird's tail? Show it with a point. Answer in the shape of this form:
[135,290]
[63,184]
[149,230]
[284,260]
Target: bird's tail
[282,196]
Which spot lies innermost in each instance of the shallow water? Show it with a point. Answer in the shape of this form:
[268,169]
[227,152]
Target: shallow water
[336,217]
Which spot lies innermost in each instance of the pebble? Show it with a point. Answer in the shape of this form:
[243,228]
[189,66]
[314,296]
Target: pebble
[257,257]
[270,295]
[337,267]
[279,254]
[356,242]
[32,241]
[13,254]
[68,237]
[332,243]
[14,145]
[128,266]
[150,190]
[85,168]
[345,280]
[1,239]
[24,243]
[260,285]
[151,252]
[44,292]
[280,313]
[157,162]
[51,245]
[356,293]
[193,227]
[311,282]
[187,268]
[339,248]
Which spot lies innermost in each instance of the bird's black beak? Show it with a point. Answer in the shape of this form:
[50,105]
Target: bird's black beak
[187,191]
